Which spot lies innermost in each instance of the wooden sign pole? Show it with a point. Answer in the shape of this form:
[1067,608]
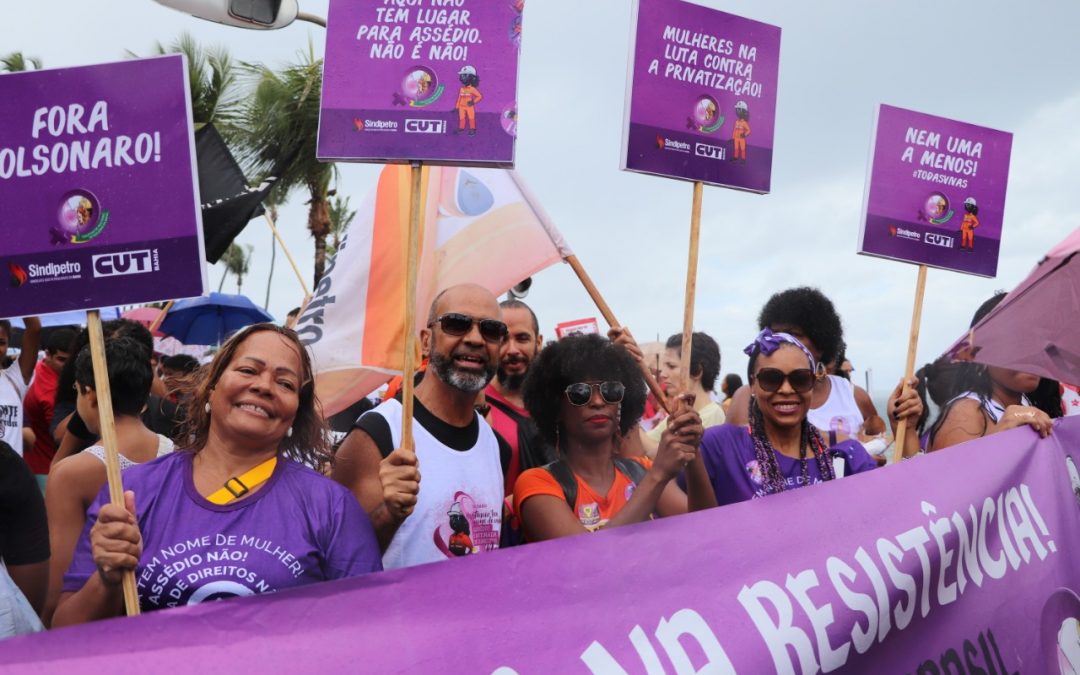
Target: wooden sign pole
[409,360]
[609,316]
[108,438]
[691,286]
[281,243]
[909,369]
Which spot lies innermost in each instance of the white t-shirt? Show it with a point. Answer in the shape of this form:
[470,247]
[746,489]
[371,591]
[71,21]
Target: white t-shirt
[840,412]
[12,391]
[459,508]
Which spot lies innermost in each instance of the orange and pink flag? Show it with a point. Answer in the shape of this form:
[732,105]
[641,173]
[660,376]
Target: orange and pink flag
[479,225]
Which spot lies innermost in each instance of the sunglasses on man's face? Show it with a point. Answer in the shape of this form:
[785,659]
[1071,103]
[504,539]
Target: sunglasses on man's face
[580,393]
[459,324]
[771,379]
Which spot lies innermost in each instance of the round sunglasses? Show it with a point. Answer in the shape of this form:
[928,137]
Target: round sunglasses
[455,324]
[580,393]
[771,379]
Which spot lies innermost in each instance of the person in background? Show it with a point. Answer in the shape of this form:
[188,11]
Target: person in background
[39,402]
[160,415]
[584,394]
[172,369]
[704,369]
[15,379]
[781,449]
[76,480]
[504,396]
[24,547]
[253,429]
[837,407]
[728,386]
[988,400]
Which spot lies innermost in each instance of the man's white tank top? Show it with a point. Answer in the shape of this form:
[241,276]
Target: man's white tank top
[459,508]
[840,413]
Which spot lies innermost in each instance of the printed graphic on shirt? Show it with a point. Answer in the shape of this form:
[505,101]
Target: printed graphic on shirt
[589,515]
[754,469]
[470,527]
[214,567]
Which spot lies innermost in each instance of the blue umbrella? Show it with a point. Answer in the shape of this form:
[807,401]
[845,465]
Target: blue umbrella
[210,320]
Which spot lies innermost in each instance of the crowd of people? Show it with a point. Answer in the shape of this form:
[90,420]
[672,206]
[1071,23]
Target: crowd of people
[235,485]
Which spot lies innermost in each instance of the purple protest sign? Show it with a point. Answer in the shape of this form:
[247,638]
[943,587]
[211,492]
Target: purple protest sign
[429,80]
[701,95]
[96,180]
[936,192]
[961,560]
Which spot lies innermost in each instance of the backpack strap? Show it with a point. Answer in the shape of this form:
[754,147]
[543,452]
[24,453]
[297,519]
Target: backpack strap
[566,479]
[635,471]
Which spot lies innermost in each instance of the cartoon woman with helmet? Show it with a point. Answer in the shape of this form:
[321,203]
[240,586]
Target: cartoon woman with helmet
[460,543]
[740,132]
[468,97]
[968,225]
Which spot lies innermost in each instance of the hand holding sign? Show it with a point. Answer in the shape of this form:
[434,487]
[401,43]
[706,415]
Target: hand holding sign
[400,477]
[115,541]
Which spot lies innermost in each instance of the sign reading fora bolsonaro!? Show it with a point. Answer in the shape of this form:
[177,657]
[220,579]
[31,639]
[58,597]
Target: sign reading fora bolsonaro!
[100,200]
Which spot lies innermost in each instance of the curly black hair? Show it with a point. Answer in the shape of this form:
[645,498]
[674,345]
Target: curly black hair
[704,357]
[578,358]
[809,310]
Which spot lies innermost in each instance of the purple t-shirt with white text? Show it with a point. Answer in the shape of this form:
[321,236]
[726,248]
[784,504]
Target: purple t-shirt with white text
[299,528]
[733,468]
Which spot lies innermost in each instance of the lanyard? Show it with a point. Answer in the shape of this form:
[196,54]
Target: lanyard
[238,486]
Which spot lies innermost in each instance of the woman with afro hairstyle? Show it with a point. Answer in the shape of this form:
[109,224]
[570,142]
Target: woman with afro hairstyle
[585,393]
[782,450]
[837,407]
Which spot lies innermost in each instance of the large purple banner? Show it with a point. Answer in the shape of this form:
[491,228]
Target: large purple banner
[964,561]
[99,197]
[936,192]
[431,80]
[701,95]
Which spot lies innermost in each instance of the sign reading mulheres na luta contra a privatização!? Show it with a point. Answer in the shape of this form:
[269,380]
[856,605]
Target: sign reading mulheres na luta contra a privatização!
[936,192]
[428,80]
[97,185]
[701,95]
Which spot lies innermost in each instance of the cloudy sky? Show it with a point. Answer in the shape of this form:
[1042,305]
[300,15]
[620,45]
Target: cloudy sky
[1007,65]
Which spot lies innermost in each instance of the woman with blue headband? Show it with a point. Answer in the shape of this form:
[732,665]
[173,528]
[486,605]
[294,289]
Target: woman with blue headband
[781,450]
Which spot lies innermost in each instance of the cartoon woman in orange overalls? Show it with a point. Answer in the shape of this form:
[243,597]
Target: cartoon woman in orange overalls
[741,131]
[468,97]
[968,225]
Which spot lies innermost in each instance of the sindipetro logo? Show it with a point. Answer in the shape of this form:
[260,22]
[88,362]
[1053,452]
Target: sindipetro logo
[126,262]
[81,218]
[904,233]
[374,125]
[663,143]
[18,275]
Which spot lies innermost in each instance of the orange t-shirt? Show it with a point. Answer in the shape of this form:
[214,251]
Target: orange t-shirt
[593,510]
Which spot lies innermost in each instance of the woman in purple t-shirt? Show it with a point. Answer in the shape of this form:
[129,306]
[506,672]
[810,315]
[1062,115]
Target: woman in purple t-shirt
[781,450]
[236,514]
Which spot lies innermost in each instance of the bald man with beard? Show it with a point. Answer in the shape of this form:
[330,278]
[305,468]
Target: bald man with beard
[462,460]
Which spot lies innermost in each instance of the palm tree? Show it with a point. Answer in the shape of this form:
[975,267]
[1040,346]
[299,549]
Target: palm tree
[16,62]
[273,200]
[216,91]
[237,262]
[341,216]
[280,123]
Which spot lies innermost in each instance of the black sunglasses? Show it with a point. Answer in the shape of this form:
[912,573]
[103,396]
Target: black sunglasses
[771,379]
[580,393]
[459,324]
